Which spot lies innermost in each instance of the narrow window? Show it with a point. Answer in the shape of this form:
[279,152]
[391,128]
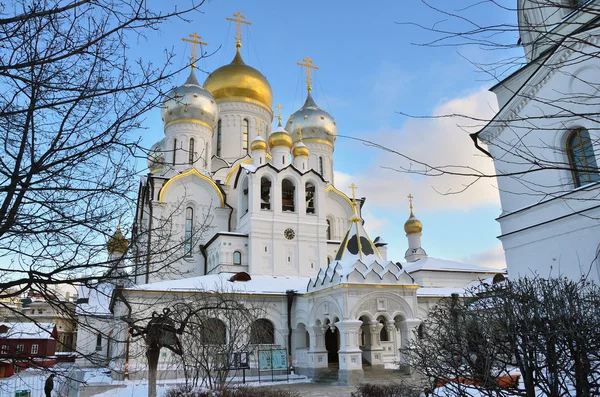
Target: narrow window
[219,137]
[4,349]
[174,150]
[310,198]
[245,135]
[265,193]
[99,342]
[328,230]
[189,221]
[321,166]
[191,153]
[34,349]
[581,158]
[287,195]
[237,258]
[206,155]
[328,260]
[20,348]
[421,331]
[283,160]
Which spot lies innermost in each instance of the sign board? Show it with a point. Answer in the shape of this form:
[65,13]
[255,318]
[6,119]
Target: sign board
[23,393]
[238,360]
[272,360]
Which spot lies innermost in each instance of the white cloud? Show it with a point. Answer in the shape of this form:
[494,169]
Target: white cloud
[493,258]
[440,142]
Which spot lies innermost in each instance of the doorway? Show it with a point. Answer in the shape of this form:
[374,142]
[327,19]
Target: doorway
[332,344]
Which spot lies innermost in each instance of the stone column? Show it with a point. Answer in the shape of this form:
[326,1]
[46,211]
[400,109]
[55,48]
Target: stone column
[407,331]
[375,348]
[317,353]
[350,355]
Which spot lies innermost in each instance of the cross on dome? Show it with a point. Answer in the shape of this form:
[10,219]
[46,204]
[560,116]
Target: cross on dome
[279,106]
[239,20]
[195,40]
[300,132]
[308,64]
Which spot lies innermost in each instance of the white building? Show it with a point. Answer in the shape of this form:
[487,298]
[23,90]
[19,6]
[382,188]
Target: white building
[544,140]
[231,201]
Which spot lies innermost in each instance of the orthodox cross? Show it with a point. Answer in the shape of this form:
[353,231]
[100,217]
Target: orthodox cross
[300,132]
[308,65]
[279,106]
[353,186]
[410,198]
[239,20]
[195,40]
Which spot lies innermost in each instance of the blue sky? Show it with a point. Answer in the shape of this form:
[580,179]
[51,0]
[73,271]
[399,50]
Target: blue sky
[369,70]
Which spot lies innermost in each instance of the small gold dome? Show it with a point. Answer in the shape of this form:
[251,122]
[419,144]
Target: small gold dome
[258,143]
[117,244]
[238,81]
[413,225]
[300,150]
[280,138]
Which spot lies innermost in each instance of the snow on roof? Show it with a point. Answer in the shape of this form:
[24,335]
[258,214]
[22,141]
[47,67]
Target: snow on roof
[440,292]
[271,285]
[28,330]
[98,299]
[249,167]
[442,265]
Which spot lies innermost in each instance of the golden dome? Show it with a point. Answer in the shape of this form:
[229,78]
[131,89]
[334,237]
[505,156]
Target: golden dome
[300,150]
[258,143]
[117,244]
[239,82]
[280,138]
[413,225]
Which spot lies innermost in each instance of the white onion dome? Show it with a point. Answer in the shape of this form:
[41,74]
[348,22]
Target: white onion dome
[280,137]
[300,150]
[190,103]
[156,157]
[258,143]
[317,125]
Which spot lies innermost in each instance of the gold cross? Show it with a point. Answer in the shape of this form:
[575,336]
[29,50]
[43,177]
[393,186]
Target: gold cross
[300,132]
[410,198]
[239,20]
[353,186]
[308,65]
[279,106]
[195,40]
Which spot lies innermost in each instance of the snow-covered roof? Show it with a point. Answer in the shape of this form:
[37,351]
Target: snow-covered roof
[27,330]
[270,285]
[440,292]
[442,265]
[98,299]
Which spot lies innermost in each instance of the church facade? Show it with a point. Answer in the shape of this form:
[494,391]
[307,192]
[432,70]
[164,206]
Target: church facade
[229,200]
[544,142]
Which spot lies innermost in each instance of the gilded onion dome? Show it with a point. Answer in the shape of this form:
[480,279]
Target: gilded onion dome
[258,143]
[315,123]
[413,225]
[280,137]
[156,157]
[190,103]
[239,82]
[300,150]
[117,243]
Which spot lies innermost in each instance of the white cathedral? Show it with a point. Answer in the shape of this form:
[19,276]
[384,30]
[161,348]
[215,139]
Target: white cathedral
[256,208]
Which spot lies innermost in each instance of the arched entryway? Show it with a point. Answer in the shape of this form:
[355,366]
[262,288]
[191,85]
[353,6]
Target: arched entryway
[332,344]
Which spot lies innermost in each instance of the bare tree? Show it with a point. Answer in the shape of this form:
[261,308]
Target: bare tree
[541,330]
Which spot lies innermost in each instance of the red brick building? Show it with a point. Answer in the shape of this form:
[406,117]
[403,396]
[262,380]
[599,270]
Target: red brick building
[24,345]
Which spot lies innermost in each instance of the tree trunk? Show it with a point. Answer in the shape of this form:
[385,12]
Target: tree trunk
[152,355]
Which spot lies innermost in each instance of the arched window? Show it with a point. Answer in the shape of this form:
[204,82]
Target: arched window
[99,342]
[245,135]
[244,198]
[581,158]
[321,166]
[189,222]
[310,198]
[213,331]
[287,195]
[191,152]
[206,154]
[219,136]
[262,332]
[421,331]
[265,193]
[384,335]
[328,230]
[283,160]
[174,150]
[237,258]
